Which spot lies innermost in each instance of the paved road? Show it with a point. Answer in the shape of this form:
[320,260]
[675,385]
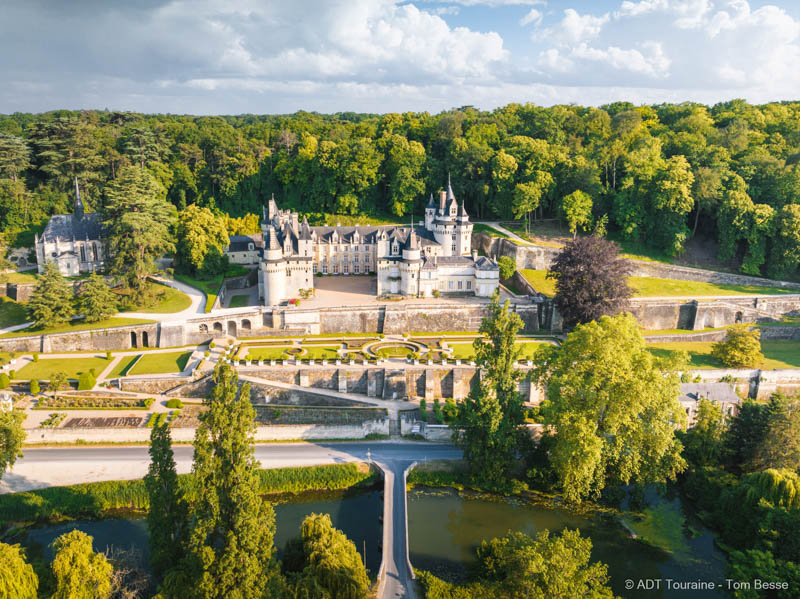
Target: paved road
[396,576]
[70,465]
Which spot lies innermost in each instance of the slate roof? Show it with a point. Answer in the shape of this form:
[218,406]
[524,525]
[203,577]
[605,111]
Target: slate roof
[719,392]
[66,227]
[241,243]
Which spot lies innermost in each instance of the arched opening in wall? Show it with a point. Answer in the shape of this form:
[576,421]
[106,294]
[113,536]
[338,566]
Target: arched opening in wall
[217,327]
[246,325]
[709,321]
[145,342]
[232,328]
[739,317]
[204,328]
[133,339]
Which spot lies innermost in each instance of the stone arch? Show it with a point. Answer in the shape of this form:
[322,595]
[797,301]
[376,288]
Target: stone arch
[145,340]
[133,339]
[708,322]
[217,327]
[246,325]
[204,328]
[232,328]
[739,317]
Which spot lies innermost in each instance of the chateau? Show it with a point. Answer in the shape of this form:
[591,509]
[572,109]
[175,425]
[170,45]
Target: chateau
[72,241]
[419,261]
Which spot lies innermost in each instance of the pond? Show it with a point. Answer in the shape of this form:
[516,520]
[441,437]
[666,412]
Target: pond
[446,526]
[356,513]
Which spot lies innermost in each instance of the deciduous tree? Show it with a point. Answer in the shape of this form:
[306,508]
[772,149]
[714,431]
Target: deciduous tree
[577,208]
[508,266]
[591,280]
[80,573]
[705,441]
[613,407]
[17,578]
[12,436]
[741,348]
[200,234]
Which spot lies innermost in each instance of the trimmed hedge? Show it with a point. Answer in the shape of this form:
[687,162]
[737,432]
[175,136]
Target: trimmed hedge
[92,499]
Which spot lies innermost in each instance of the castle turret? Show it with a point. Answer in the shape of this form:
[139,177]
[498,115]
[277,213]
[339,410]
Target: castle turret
[430,213]
[79,210]
[274,269]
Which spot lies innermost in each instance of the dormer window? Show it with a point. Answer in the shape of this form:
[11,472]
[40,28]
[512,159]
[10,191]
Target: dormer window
[250,246]
[394,248]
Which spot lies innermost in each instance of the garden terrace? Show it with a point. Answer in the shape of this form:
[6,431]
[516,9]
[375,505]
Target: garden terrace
[69,402]
[777,354]
[277,414]
[160,363]
[45,368]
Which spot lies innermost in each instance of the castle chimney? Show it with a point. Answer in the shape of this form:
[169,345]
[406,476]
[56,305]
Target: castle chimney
[442,200]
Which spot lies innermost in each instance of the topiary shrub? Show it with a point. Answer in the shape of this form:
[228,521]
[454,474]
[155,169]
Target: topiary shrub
[35,357]
[86,381]
[148,402]
[423,410]
[34,387]
[4,381]
[174,403]
[108,355]
[212,345]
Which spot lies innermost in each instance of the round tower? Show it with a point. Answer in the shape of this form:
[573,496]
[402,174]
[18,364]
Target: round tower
[274,269]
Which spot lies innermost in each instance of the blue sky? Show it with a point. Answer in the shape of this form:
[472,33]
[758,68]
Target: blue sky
[275,56]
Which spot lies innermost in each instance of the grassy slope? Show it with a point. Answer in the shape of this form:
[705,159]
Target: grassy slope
[168,301]
[72,366]
[211,286]
[777,354]
[239,301]
[11,312]
[122,366]
[161,363]
[655,287]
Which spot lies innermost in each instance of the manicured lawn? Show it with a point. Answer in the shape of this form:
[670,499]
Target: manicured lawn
[481,228]
[166,363]
[239,301]
[78,325]
[167,301]
[11,312]
[320,352]
[539,282]
[465,351]
[651,286]
[211,286]
[122,367]
[29,276]
[777,354]
[654,287]
[264,353]
[45,367]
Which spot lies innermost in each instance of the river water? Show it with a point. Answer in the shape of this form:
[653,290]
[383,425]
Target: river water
[446,526]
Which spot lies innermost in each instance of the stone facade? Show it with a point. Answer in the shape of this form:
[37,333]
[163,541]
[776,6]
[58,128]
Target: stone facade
[433,257]
[72,241]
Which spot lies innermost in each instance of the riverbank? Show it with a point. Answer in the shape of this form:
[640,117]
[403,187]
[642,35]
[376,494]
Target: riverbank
[96,500]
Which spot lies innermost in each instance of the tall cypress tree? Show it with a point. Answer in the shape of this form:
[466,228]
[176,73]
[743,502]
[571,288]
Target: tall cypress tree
[167,518]
[489,420]
[230,549]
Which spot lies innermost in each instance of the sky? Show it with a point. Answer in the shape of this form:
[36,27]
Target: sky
[281,56]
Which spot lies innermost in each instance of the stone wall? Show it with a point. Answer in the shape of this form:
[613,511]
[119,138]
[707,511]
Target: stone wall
[152,385]
[280,432]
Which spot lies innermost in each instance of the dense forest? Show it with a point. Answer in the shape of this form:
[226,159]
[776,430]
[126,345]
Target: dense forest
[661,174]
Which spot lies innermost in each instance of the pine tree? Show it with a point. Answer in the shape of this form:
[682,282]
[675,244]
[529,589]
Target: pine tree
[96,301]
[488,422]
[230,551]
[17,578]
[137,222]
[167,518]
[51,300]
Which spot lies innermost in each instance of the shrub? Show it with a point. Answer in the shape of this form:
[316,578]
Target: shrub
[4,381]
[508,266]
[207,353]
[740,349]
[86,381]
[108,355]
[423,410]
[34,387]
[35,357]
[450,409]
[12,374]
[148,402]
[174,403]
[437,411]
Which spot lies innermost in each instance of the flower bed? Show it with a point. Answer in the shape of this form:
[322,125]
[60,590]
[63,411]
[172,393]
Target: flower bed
[93,403]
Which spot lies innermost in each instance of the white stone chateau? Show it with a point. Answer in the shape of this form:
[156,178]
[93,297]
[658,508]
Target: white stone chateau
[418,261]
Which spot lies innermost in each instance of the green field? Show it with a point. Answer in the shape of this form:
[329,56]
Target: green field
[211,286]
[30,276]
[121,369]
[655,287]
[482,228]
[239,301]
[168,300]
[777,354]
[45,367]
[465,351]
[78,325]
[11,312]
[163,363]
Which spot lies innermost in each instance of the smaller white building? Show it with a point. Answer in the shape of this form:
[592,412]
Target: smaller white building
[73,241]
[720,393]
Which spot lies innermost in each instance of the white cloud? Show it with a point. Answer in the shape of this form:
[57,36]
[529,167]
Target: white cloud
[494,3]
[574,28]
[445,10]
[532,16]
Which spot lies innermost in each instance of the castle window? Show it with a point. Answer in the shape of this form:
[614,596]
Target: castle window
[355,259]
[346,269]
[454,248]
[324,269]
[450,285]
[356,269]
[355,249]
[250,246]
[83,254]
[469,285]
[459,285]
[336,268]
